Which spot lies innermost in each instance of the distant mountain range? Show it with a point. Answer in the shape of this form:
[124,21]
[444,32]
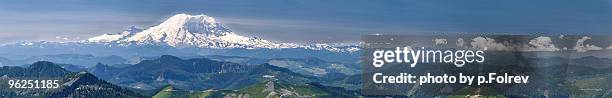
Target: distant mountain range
[194,74]
[74,59]
[169,75]
[308,66]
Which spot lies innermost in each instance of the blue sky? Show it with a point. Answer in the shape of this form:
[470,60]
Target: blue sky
[306,20]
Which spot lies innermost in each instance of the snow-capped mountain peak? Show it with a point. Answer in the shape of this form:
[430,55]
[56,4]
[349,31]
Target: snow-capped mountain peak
[183,23]
[183,30]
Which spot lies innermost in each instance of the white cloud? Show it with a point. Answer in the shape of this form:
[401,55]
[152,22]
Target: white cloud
[581,47]
[541,43]
[440,41]
[487,44]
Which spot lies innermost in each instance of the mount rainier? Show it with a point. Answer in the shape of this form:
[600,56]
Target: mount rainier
[183,30]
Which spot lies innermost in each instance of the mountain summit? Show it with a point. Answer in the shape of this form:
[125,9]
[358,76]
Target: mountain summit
[183,30]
